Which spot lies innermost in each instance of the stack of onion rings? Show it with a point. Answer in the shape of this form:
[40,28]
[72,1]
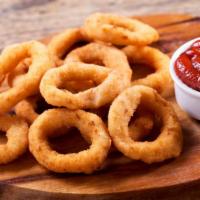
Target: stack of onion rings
[88,68]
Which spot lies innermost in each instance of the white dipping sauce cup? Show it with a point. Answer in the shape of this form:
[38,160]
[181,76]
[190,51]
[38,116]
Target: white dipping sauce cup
[186,97]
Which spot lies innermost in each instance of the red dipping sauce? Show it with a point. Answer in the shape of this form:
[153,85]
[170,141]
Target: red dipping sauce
[187,66]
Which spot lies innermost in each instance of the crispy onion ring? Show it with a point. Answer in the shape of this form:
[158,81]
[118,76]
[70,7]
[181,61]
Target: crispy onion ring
[160,79]
[17,134]
[29,85]
[167,145]
[90,126]
[91,98]
[61,43]
[119,30]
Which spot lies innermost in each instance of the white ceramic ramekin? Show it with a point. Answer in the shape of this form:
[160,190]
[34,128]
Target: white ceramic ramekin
[186,97]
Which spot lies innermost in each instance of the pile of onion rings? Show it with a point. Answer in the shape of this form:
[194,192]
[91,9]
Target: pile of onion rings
[44,86]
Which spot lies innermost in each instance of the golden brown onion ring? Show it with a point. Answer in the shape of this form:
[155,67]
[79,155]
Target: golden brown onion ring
[52,84]
[90,126]
[167,145]
[119,30]
[29,85]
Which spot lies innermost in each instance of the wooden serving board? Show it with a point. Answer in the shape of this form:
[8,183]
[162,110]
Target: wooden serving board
[121,178]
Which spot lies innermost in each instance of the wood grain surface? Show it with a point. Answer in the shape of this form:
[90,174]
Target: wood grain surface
[22,20]
[121,178]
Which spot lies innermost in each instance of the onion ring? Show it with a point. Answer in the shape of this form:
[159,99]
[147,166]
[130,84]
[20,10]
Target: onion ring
[160,80]
[167,145]
[119,30]
[17,133]
[94,97]
[89,125]
[29,85]
[61,43]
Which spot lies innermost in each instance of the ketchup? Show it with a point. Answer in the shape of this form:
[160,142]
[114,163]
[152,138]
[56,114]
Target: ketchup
[187,66]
